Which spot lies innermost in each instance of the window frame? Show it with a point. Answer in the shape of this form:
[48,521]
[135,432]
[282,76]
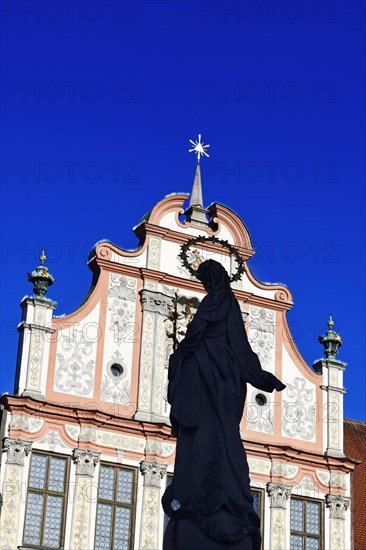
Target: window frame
[169,475]
[261,492]
[46,492]
[304,534]
[116,503]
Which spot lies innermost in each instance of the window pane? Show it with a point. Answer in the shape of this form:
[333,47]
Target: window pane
[312,544]
[104,526]
[312,517]
[56,476]
[37,476]
[256,503]
[169,479]
[125,486]
[122,529]
[53,521]
[296,514]
[106,483]
[296,542]
[33,520]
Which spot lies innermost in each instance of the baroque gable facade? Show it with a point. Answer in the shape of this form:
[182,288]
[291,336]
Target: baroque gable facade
[90,403]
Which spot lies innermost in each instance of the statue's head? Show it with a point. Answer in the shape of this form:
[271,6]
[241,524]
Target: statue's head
[213,275]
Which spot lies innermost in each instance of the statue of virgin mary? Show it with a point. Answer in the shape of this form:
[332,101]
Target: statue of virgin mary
[209,501]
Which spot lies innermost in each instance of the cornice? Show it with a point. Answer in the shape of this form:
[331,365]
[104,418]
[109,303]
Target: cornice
[128,426]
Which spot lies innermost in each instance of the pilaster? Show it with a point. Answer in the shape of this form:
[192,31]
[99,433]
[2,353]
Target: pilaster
[279,494]
[86,462]
[155,309]
[333,369]
[153,473]
[338,506]
[17,450]
[33,348]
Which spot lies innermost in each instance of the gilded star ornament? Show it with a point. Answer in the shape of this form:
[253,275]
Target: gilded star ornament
[198,148]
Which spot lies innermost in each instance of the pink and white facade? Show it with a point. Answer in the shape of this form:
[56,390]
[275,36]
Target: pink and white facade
[87,449]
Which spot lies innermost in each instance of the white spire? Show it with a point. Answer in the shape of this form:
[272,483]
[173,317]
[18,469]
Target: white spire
[196,213]
[196,195]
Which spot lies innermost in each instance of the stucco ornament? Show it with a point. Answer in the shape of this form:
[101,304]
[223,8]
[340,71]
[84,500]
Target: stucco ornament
[261,334]
[86,461]
[17,450]
[307,488]
[338,505]
[182,311]
[75,374]
[260,417]
[153,473]
[121,308]
[116,388]
[299,410]
[20,421]
[53,440]
[278,493]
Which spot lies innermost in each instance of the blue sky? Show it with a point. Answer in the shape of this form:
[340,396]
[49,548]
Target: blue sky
[99,100]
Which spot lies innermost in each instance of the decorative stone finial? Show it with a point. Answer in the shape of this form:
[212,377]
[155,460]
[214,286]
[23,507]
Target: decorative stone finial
[331,341]
[41,278]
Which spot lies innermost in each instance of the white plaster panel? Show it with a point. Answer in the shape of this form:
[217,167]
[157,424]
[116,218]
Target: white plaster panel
[52,442]
[258,466]
[135,261]
[298,402]
[21,421]
[307,488]
[288,471]
[169,221]
[73,431]
[76,356]
[259,418]
[120,441]
[261,336]
[159,448]
[121,331]
[248,286]
[171,263]
[115,440]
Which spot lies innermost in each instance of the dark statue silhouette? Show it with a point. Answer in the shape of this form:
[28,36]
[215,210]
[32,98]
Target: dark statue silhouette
[209,501]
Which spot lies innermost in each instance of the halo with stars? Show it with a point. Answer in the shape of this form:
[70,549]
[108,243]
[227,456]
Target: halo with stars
[192,267]
[198,148]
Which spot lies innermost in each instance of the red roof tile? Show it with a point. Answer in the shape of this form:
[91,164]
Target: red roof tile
[355,447]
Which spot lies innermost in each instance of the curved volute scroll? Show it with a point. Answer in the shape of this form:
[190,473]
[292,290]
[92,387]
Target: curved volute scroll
[283,295]
[103,250]
[164,221]
[223,216]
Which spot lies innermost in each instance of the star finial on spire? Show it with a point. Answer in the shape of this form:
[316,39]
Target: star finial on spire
[199,148]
